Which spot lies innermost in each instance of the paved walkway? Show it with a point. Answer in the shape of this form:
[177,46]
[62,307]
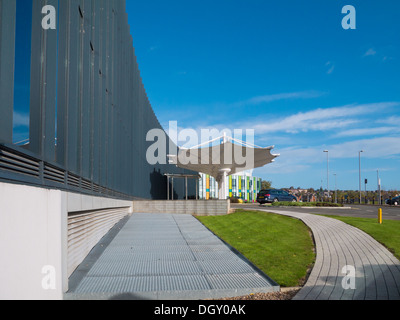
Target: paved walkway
[165,256]
[377,271]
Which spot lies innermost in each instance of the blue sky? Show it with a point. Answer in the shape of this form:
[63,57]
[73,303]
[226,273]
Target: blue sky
[286,69]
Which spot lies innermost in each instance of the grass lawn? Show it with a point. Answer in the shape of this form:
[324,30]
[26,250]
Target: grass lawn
[387,233]
[280,246]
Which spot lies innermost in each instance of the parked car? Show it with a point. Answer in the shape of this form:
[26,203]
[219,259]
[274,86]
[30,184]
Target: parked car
[274,195]
[394,201]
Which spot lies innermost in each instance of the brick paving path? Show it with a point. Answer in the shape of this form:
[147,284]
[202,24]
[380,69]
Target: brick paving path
[377,271]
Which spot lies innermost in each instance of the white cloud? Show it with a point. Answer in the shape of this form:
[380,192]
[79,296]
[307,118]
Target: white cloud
[153,48]
[373,148]
[296,159]
[330,71]
[368,131]
[281,96]
[320,119]
[343,121]
[21,119]
[282,167]
[370,52]
[338,121]
[393,120]
[386,59]
[332,67]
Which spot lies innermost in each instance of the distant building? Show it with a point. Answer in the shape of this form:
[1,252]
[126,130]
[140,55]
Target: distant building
[242,185]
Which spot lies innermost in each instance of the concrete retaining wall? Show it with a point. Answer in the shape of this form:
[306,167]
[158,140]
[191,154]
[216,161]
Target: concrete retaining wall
[34,239]
[192,207]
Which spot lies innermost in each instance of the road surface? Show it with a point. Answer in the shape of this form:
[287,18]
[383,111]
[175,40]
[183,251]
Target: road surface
[361,211]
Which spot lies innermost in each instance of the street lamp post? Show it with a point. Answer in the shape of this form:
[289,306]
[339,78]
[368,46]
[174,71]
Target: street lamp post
[335,189]
[379,188]
[359,170]
[327,169]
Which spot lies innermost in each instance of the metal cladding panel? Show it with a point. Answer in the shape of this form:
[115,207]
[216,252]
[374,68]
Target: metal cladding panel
[108,92]
[102,90]
[62,94]
[43,84]
[85,9]
[73,116]
[95,94]
[7,52]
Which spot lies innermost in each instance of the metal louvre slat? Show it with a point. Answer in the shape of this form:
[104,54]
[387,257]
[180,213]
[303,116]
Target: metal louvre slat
[85,231]
[53,178]
[53,171]
[53,174]
[19,158]
[86,184]
[75,228]
[82,246]
[13,162]
[73,180]
[12,167]
[79,249]
[83,226]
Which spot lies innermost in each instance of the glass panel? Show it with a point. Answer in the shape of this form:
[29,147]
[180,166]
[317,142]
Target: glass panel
[22,75]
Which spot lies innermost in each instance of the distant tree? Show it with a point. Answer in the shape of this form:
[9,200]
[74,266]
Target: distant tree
[266,184]
[353,195]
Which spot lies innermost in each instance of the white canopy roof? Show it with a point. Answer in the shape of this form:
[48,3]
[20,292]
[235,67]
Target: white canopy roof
[227,157]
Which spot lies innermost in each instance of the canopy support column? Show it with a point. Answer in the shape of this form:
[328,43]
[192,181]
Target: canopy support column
[222,183]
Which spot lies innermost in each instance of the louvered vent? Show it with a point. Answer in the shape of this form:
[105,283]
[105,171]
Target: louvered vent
[53,174]
[18,163]
[73,180]
[86,184]
[86,229]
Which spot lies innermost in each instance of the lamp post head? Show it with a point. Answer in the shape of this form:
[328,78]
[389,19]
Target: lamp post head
[326,151]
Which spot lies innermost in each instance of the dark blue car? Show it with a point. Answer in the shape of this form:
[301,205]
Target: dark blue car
[394,201]
[274,195]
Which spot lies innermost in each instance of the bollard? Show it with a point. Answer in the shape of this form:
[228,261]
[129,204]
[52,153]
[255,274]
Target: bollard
[380,216]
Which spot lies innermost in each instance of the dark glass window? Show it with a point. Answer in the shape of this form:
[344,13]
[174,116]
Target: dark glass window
[22,75]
